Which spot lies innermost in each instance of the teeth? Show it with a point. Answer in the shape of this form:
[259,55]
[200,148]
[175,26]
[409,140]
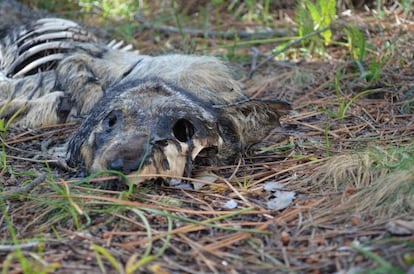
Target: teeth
[36,50]
[39,62]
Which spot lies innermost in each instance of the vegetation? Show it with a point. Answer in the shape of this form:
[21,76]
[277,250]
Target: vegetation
[348,153]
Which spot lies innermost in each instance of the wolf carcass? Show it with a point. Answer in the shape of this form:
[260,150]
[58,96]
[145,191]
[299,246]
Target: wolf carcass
[152,115]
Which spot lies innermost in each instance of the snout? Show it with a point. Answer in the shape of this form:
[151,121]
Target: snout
[127,162]
[146,159]
[126,154]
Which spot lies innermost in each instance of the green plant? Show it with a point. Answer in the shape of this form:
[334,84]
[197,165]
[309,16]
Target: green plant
[358,48]
[3,134]
[342,100]
[3,159]
[314,16]
[245,183]
[133,263]
[382,265]
[407,5]
[68,7]
[356,43]
[394,158]
[28,265]
[257,11]
[124,9]
[188,42]
[345,107]
[381,7]
[246,10]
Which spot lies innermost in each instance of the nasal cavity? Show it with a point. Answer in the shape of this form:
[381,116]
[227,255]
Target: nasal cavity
[116,164]
[183,130]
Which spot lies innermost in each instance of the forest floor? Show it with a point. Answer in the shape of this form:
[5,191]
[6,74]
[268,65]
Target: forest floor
[343,161]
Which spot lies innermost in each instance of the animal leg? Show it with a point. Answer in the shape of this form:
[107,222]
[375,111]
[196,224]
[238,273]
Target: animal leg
[37,112]
[77,78]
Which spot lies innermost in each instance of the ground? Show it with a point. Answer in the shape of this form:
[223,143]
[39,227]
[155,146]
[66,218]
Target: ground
[345,151]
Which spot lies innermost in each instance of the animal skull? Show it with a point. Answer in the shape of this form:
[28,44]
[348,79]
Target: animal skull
[145,126]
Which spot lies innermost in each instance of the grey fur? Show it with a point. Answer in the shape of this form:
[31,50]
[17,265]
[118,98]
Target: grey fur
[154,115]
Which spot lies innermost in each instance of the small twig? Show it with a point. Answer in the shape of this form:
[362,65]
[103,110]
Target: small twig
[290,44]
[336,136]
[33,160]
[11,248]
[255,54]
[238,194]
[61,163]
[25,189]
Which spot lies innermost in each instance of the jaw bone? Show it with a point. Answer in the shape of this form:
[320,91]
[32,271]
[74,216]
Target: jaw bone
[178,161]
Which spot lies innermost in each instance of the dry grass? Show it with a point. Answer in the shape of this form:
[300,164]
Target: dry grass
[370,185]
[352,176]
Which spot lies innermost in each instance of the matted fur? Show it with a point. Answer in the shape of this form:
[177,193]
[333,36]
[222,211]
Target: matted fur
[140,113]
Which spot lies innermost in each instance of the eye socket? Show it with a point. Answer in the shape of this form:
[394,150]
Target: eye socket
[112,119]
[183,130]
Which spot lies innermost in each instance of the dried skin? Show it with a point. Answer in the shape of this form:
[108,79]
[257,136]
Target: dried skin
[140,113]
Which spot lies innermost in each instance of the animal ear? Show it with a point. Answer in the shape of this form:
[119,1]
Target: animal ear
[254,119]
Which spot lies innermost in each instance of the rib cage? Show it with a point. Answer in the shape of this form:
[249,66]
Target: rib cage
[40,47]
[43,61]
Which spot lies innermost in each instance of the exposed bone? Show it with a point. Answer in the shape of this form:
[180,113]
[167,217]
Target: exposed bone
[128,47]
[50,28]
[118,44]
[199,145]
[39,62]
[54,20]
[110,44]
[207,176]
[175,158]
[36,50]
[54,36]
